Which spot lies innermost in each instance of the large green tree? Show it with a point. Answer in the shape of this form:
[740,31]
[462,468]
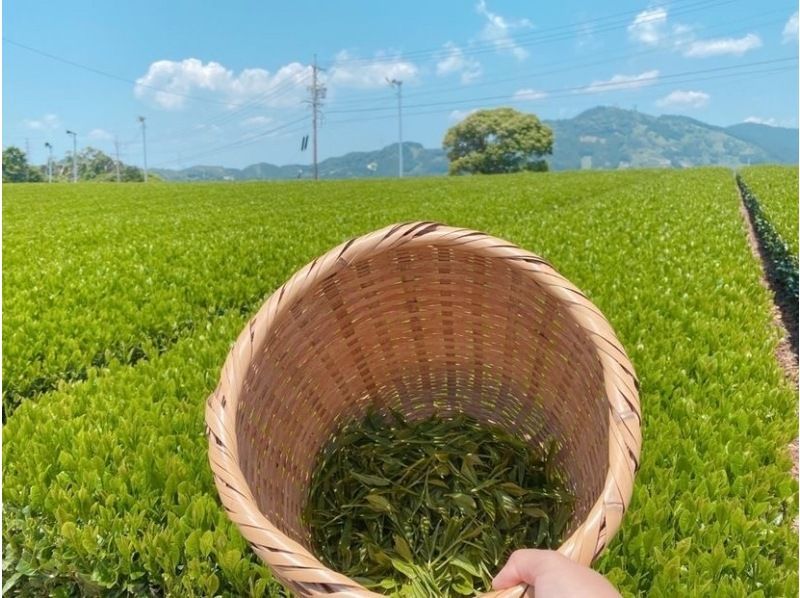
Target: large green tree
[94,164]
[16,168]
[498,140]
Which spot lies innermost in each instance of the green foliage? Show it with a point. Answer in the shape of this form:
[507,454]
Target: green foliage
[16,168]
[775,188]
[132,174]
[777,251]
[140,268]
[93,164]
[432,507]
[107,488]
[497,141]
[120,457]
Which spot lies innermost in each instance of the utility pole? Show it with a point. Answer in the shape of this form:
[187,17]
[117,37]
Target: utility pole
[49,161]
[144,146]
[116,151]
[399,85]
[28,160]
[318,91]
[74,155]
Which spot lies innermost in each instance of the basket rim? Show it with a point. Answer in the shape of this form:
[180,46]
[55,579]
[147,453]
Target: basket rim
[291,562]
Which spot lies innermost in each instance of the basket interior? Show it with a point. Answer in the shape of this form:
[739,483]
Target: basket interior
[422,330]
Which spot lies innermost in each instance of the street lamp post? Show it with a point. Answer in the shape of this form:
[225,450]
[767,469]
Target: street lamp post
[74,155]
[399,86]
[144,146]
[49,161]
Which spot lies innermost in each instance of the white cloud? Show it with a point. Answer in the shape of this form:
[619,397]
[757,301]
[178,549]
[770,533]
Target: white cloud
[456,62]
[790,29]
[497,30]
[99,135]
[772,122]
[214,129]
[459,115]
[256,121]
[722,45]
[684,99]
[649,26]
[348,71]
[48,122]
[622,82]
[167,82]
[585,38]
[682,35]
[526,95]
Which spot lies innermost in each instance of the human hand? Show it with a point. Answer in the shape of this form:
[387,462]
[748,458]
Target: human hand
[552,575]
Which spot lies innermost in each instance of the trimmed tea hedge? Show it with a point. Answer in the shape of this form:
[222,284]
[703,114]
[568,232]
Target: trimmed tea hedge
[777,250]
[94,273]
[118,497]
[106,486]
[776,188]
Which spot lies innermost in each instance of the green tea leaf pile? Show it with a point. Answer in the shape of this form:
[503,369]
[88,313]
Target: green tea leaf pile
[432,507]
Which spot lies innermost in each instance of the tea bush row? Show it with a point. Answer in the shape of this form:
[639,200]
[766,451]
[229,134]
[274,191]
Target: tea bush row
[776,188]
[777,251]
[100,272]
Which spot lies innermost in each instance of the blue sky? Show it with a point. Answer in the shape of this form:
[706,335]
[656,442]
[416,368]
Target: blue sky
[226,83]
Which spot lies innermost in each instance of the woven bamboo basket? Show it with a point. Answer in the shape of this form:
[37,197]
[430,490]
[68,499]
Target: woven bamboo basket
[422,318]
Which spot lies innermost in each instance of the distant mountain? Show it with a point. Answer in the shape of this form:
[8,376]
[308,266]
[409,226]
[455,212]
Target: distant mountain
[779,142]
[606,137]
[417,161]
[599,138]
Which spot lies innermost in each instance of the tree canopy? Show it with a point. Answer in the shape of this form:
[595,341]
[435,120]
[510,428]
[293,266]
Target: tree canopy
[16,168]
[497,141]
[93,165]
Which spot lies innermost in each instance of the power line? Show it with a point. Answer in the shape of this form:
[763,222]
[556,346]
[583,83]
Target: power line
[240,107]
[672,79]
[536,37]
[611,85]
[440,89]
[573,94]
[103,73]
[558,67]
[227,116]
[244,141]
[248,141]
[540,36]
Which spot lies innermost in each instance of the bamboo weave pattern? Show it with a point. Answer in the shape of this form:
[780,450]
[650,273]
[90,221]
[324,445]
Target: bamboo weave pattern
[422,318]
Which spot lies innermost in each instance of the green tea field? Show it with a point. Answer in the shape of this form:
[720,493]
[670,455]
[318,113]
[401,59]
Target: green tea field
[122,301]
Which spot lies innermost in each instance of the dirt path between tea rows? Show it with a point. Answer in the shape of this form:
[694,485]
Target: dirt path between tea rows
[784,314]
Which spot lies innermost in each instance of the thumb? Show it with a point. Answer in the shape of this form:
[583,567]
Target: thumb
[522,566]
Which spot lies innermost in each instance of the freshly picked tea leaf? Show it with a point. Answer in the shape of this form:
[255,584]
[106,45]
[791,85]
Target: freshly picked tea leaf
[432,507]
